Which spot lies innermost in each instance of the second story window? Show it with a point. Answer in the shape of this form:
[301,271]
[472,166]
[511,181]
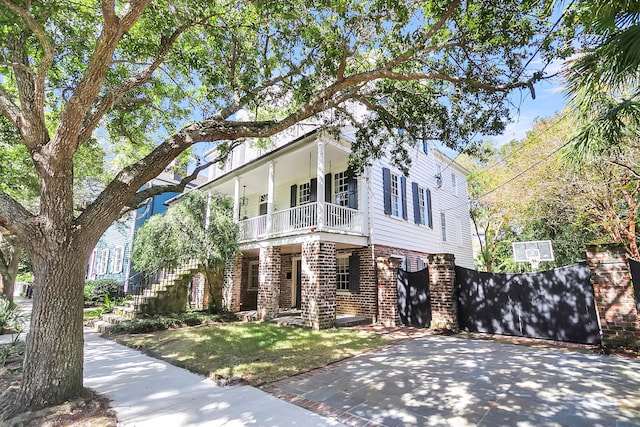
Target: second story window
[396,206]
[304,193]
[341,189]
[395,194]
[422,205]
[443,226]
[454,184]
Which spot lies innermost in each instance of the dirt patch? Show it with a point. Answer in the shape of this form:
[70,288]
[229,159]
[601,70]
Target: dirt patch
[88,410]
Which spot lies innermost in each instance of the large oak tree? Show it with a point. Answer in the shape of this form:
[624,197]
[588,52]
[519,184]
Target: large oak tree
[152,79]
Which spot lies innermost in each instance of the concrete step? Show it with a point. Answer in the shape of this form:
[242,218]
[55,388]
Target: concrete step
[127,312]
[101,326]
[113,318]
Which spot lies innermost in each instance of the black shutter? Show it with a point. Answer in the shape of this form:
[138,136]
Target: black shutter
[294,195]
[429,213]
[403,190]
[313,194]
[416,202]
[354,273]
[327,189]
[262,209]
[352,185]
[386,188]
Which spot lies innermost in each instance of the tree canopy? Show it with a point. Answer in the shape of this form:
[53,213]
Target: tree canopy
[199,227]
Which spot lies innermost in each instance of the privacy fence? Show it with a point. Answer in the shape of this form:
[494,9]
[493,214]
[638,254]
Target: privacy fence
[583,303]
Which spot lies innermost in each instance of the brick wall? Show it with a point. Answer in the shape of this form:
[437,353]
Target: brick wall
[613,292]
[269,283]
[318,284]
[362,303]
[411,257]
[232,284]
[387,268]
[442,282]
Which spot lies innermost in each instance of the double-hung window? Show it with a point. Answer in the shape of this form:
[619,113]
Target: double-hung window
[341,189]
[342,273]
[396,197]
[443,226]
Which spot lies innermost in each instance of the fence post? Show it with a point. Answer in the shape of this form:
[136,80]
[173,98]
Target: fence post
[387,274]
[442,287]
[613,294]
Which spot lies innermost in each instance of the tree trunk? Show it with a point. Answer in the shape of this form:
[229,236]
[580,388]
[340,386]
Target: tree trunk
[53,360]
[213,279]
[9,273]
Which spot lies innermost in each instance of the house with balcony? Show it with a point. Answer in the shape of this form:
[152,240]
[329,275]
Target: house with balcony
[312,236]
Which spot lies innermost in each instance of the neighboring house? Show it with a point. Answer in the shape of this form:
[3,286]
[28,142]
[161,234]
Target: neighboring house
[111,258]
[311,235]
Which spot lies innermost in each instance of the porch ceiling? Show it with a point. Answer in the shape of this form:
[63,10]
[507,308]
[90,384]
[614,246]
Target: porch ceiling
[295,164]
[294,248]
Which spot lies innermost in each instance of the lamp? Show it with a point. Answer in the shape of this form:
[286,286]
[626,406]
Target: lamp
[243,199]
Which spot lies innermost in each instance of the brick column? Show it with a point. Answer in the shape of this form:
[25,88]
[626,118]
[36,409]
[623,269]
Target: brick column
[442,286]
[612,291]
[318,284]
[387,274]
[232,284]
[269,283]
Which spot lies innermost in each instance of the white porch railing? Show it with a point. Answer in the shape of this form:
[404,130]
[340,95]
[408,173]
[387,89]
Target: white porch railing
[303,219]
[253,227]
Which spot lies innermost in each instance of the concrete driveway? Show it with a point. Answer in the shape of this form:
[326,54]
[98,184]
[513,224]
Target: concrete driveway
[437,380]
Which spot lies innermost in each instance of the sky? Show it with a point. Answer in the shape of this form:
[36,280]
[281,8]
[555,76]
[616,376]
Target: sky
[525,110]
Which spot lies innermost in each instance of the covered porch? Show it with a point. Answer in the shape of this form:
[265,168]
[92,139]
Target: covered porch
[300,188]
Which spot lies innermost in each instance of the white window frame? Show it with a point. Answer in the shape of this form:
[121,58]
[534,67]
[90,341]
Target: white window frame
[304,193]
[342,273]
[443,226]
[396,196]
[454,183]
[341,189]
[251,286]
[103,262]
[118,259]
[422,205]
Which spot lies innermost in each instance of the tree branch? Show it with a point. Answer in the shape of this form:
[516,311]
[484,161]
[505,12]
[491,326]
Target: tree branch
[45,62]
[14,217]
[72,118]
[113,95]
[10,110]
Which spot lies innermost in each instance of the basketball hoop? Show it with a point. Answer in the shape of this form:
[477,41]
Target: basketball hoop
[533,252]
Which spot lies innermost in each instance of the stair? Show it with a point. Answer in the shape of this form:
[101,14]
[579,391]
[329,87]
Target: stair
[106,322]
[169,295]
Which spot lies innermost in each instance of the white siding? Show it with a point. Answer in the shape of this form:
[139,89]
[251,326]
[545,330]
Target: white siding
[395,232]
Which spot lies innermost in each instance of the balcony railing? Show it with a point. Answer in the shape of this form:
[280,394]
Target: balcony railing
[303,219]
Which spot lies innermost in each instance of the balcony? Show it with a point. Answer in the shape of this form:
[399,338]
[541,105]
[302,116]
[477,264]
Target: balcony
[303,219]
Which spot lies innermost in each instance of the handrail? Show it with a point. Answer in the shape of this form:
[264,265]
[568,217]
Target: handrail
[302,219]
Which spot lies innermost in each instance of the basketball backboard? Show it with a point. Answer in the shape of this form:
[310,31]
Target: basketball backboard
[540,250]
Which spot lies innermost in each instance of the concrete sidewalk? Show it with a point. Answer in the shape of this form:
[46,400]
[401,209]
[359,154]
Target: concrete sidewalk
[148,392]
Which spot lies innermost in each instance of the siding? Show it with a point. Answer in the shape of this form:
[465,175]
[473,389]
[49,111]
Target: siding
[406,234]
[118,234]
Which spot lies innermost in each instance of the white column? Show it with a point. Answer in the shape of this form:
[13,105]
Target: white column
[236,199]
[271,188]
[320,188]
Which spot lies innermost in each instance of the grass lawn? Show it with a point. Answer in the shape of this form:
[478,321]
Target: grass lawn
[257,352]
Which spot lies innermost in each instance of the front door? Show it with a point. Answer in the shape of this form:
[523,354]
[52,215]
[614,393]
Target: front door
[299,284]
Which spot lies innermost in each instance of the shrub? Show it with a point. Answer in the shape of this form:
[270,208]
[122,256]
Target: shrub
[95,290]
[10,316]
[160,323]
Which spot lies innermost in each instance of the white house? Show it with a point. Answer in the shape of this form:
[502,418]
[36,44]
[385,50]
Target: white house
[312,237]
